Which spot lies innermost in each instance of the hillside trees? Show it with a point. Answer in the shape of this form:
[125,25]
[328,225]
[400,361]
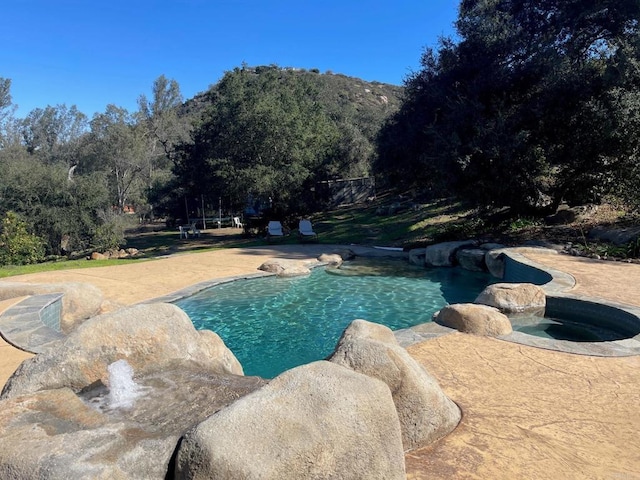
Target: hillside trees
[168,125]
[264,135]
[271,133]
[53,133]
[69,180]
[117,148]
[537,103]
[59,211]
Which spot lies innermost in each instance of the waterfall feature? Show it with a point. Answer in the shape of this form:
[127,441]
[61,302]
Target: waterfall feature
[122,389]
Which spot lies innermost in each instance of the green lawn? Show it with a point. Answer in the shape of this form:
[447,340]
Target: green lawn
[11,270]
[410,226]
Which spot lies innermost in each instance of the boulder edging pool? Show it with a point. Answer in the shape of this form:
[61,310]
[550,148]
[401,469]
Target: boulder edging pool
[515,267]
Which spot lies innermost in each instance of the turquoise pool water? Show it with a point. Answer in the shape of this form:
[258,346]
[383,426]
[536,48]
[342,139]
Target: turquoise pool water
[273,324]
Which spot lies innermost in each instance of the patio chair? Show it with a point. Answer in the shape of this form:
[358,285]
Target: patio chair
[305,230]
[274,230]
[236,222]
[184,232]
[194,230]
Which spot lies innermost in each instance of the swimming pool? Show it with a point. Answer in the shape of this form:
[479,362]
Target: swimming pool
[273,324]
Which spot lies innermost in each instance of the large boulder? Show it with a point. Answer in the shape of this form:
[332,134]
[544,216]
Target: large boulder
[285,267]
[319,420]
[443,254]
[333,259]
[425,412]
[60,435]
[80,301]
[148,336]
[471,259]
[475,319]
[513,297]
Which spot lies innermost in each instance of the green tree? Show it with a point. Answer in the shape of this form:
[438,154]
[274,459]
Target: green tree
[168,123]
[525,110]
[54,133]
[7,110]
[61,211]
[265,135]
[164,117]
[117,147]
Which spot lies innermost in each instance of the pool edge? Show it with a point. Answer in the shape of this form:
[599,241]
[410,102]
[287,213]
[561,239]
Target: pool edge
[557,287]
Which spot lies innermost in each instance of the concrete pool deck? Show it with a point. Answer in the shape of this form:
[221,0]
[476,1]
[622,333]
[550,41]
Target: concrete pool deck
[528,413]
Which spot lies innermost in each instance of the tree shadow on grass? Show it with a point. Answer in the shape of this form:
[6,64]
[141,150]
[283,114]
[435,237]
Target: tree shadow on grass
[168,242]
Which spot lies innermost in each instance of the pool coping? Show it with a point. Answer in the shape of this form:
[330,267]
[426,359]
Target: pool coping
[557,287]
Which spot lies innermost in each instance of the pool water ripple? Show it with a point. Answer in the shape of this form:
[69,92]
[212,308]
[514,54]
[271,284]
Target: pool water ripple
[272,324]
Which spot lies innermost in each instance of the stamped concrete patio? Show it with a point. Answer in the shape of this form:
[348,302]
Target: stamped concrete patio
[528,413]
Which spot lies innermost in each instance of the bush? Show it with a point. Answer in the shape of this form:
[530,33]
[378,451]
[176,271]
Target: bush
[110,234]
[17,245]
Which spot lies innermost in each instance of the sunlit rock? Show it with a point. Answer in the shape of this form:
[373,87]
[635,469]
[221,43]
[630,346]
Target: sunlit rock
[425,412]
[315,421]
[148,336]
[475,319]
[513,297]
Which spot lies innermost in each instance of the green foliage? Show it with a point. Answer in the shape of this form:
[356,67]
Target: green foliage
[61,211]
[271,133]
[17,245]
[536,103]
[109,234]
[107,237]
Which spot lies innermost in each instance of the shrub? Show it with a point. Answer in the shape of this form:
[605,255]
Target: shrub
[109,235]
[17,245]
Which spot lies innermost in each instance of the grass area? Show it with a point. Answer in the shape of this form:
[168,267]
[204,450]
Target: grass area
[151,242]
[394,224]
[11,270]
[360,224]
[391,222]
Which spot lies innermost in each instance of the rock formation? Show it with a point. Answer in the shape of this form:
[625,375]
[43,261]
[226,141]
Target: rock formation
[443,254]
[148,336]
[285,268]
[61,435]
[513,297]
[185,408]
[318,420]
[471,259]
[475,319]
[425,412]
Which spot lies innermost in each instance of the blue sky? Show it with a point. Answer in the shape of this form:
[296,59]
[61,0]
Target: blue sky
[90,53]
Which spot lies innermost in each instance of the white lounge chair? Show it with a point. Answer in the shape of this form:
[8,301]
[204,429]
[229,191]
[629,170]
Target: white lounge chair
[305,230]
[274,229]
